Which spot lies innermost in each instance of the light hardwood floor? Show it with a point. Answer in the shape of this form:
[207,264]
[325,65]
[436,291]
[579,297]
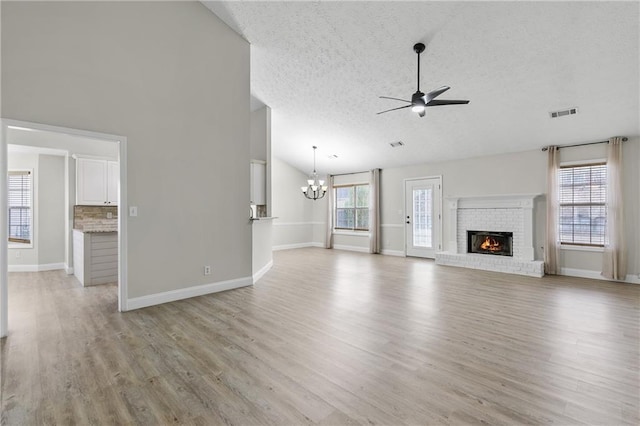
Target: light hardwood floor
[327,337]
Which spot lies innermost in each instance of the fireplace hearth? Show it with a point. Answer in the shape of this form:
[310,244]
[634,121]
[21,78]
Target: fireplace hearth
[490,242]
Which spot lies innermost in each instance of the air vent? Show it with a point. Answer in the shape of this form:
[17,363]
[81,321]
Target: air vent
[396,144]
[570,111]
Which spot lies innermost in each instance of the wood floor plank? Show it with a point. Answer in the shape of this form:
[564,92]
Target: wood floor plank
[327,337]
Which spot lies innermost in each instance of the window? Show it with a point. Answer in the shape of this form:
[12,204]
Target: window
[583,212]
[352,207]
[19,206]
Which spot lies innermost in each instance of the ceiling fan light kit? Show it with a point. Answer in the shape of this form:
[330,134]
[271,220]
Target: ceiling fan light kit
[420,101]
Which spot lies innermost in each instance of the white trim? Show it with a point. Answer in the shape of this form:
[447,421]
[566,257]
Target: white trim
[262,271]
[392,225]
[595,275]
[36,268]
[92,157]
[28,149]
[296,246]
[186,293]
[581,248]
[68,269]
[351,248]
[398,253]
[4,249]
[20,246]
[123,210]
[583,162]
[351,233]
[297,223]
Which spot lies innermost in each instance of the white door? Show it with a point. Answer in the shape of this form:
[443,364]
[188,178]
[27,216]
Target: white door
[423,217]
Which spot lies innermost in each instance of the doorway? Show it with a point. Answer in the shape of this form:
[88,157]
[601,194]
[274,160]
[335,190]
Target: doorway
[10,131]
[423,216]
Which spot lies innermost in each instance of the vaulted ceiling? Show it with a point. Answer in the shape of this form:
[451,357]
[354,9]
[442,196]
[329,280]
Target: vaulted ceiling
[321,67]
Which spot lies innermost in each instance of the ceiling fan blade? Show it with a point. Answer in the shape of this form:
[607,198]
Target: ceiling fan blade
[395,99]
[435,93]
[393,109]
[437,102]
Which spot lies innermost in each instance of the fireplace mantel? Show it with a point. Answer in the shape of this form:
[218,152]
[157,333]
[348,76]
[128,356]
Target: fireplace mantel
[493,201]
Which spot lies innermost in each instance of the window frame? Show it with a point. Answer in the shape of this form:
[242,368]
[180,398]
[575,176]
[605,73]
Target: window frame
[16,243]
[574,245]
[355,209]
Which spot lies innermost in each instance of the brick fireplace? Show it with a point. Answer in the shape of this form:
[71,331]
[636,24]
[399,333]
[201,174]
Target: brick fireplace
[506,219]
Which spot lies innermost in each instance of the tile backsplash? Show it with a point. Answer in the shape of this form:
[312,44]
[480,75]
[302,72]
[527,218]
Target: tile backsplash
[95,218]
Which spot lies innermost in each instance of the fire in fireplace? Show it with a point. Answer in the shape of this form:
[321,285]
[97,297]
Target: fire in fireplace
[490,242]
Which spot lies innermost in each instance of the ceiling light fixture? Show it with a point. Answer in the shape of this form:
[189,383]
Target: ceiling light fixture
[315,188]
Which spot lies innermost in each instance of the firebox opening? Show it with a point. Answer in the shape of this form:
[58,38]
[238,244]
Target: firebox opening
[490,242]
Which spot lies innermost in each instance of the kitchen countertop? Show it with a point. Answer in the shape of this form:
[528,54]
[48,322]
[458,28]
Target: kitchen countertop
[96,230]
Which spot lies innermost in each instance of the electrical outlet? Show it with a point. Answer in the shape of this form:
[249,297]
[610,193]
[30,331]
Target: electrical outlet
[109,215]
[133,211]
[18,254]
[207,270]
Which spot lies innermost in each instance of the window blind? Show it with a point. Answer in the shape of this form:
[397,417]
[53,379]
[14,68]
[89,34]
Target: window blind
[19,205]
[583,213]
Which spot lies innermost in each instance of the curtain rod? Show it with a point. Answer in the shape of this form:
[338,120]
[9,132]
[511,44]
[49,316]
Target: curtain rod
[352,173]
[546,148]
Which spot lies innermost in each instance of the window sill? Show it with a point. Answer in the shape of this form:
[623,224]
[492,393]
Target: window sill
[582,248]
[19,245]
[351,233]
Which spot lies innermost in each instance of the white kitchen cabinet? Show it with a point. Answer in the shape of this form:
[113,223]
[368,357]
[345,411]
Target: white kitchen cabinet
[113,178]
[258,183]
[97,182]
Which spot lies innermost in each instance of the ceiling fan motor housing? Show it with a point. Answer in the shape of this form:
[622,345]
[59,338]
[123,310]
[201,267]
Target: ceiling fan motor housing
[417,98]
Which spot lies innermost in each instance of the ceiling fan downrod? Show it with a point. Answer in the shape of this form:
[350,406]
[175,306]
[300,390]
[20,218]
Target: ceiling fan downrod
[418,48]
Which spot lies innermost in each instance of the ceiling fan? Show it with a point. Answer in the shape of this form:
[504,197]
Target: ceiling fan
[419,101]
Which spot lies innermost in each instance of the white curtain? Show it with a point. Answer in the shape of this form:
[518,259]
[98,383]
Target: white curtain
[328,239]
[374,211]
[552,245]
[614,259]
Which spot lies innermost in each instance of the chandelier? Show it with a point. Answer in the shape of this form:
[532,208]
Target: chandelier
[315,188]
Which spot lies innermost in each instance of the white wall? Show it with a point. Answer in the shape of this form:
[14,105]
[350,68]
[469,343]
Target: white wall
[516,173]
[262,233]
[51,216]
[294,226]
[48,239]
[173,79]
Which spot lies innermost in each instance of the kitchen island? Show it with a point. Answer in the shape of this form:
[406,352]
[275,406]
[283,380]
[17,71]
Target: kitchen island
[95,256]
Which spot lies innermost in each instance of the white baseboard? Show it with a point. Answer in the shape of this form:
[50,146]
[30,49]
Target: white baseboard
[398,253]
[351,248]
[68,270]
[297,245]
[595,275]
[35,268]
[262,271]
[186,293]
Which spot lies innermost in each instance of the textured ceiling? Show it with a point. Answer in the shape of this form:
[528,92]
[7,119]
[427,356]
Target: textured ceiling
[322,65]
